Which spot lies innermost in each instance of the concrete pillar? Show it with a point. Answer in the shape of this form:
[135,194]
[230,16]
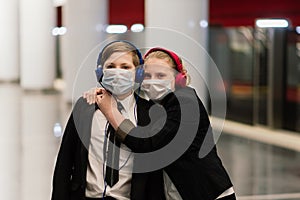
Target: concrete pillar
[9,48]
[37,45]
[85,22]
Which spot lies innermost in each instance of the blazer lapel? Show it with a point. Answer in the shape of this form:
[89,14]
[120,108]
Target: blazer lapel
[143,107]
[83,116]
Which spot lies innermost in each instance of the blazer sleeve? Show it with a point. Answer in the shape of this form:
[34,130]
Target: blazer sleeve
[71,161]
[177,112]
[64,163]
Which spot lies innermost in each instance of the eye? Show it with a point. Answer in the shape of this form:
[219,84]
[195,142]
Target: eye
[161,75]
[126,67]
[147,76]
[110,67]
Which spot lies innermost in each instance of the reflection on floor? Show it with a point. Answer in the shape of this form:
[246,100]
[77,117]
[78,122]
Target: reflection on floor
[259,169]
[29,148]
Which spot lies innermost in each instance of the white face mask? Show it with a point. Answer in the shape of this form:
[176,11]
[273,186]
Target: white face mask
[156,89]
[118,81]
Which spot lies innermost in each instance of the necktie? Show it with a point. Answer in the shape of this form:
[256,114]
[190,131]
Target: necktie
[112,166]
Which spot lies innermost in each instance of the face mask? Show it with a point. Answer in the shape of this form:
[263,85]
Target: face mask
[118,81]
[156,89]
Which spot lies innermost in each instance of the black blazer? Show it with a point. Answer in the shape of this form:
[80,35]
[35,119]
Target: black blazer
[69,179]
[186,122]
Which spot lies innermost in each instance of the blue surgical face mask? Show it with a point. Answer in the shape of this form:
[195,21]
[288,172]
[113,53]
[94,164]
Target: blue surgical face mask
[118,81]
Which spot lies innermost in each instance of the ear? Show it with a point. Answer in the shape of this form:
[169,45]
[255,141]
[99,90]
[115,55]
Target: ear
[180,80]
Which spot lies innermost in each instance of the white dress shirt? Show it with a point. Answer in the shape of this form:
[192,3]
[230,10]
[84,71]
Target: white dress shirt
[96,166]
[171,192]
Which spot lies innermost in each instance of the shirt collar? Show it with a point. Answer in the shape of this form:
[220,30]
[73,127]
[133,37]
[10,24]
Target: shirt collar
[128,102]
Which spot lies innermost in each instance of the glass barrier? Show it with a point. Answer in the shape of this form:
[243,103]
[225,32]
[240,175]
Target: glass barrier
[243,56]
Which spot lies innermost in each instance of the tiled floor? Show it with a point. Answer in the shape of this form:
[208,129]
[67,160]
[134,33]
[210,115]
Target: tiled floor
[29,147]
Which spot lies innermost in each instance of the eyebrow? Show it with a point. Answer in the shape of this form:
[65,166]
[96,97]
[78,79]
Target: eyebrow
[127,63]
[112,63]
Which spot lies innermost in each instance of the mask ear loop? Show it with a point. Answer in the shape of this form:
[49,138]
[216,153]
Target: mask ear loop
[99,75]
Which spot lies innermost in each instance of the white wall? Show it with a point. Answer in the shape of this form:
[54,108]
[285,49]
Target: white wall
[9,40]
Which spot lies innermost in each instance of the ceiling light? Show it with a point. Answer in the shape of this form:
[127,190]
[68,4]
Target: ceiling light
[116,29]
[272,23]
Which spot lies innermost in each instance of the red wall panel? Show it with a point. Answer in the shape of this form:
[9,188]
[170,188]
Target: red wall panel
[244,13]
[221,12]
[126,12]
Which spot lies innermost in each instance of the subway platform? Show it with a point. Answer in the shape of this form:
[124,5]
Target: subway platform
[262,163]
